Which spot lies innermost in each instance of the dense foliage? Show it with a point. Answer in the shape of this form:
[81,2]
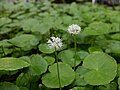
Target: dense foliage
[27,63]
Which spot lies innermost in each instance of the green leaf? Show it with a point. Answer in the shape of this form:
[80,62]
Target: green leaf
[45,48]
[35,26]
[25,41]
[46,24]
[38,65]
[8,72]
[30,25]
[67,19]
[118,70]
[10,7]
[88,18]
[23,88]
[5,30]
[116,36]
[23,80]
[34,86]
[111,86]
[4,20]
[101,42]
[113,47]
[14,15]
[115,17]
[102,68]
[82,54]
[5,43]
[80,72]
[97,28]
[11,64]
[82,88]
[67,75]
[78,88]
[8,86]
[115,27]
[93,49]
[5,51]
[67,56]
[43,28]
[50,60]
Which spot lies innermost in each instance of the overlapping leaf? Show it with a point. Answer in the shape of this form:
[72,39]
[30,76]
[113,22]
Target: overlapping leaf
[24,41]
[67,75]
[11,64]
[97,28]
[102,68]
[38,65]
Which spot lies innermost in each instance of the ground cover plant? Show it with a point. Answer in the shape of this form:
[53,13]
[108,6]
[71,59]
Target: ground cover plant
[47,46]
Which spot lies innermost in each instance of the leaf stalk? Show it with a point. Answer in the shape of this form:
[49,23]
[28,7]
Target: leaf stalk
[75,48]
[58,71]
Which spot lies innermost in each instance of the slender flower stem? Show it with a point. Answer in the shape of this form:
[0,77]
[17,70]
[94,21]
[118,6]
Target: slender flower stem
[75,47]
[58,69]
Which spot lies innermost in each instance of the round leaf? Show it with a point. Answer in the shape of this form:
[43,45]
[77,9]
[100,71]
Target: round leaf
[82,54]
[68,57]
[12,64]
[67,75]
[45,48]
[94,48]
[50,60]
[97,28]
[23,80]
[102,68]
[25,41]
[38,65]
[113,47]
[30,24]
[80,72]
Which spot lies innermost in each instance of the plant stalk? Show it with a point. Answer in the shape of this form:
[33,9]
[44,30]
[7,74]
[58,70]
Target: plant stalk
[58,72]
[75,48]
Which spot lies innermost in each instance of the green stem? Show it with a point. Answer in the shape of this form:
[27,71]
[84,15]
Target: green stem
[75,47]
[58,69]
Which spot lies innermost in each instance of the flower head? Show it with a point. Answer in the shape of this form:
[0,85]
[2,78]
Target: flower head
[74,29]
[55,42]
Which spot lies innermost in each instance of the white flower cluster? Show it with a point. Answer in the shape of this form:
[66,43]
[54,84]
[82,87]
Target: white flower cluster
[55,42]
[74,29]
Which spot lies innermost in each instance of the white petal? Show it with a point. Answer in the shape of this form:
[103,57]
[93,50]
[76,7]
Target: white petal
[74,29]
[55,42]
